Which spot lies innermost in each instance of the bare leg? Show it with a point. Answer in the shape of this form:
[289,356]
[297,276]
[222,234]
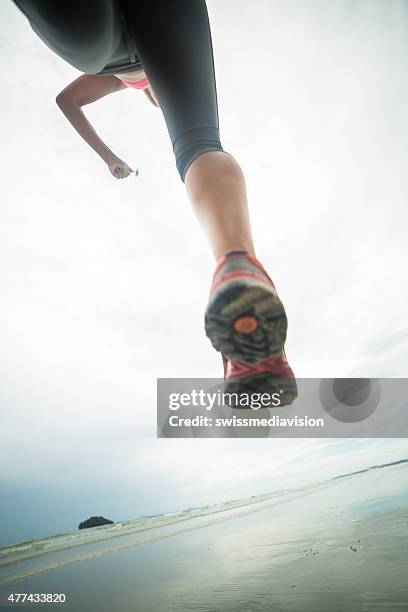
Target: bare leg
[216,187]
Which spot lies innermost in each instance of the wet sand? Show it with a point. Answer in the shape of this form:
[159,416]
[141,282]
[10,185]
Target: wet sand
[339,546]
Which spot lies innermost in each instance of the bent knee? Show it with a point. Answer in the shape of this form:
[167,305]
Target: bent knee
[192,143]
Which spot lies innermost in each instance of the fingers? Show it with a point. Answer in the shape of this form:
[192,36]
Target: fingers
[121,172]
[118,172]
[125,172]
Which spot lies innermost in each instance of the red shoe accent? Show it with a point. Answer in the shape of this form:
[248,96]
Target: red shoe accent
[240,273]
[277,365]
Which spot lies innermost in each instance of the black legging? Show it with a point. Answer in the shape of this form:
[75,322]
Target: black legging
[170,39]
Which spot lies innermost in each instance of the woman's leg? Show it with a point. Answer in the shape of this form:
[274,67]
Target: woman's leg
[245,319]
[173,41]
[216,187]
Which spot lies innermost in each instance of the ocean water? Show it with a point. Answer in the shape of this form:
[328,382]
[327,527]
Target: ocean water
[338,545]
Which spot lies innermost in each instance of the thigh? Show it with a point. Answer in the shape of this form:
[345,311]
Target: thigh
[84,33]
[173,41]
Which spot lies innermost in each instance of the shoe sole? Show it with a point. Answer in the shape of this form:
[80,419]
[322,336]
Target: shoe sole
[246,321]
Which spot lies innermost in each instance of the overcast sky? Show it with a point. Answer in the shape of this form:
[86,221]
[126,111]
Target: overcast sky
[104,282]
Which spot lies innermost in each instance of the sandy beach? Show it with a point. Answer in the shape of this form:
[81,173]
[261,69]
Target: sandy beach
[338,545]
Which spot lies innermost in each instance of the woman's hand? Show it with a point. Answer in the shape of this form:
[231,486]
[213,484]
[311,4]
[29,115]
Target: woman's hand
[119,169]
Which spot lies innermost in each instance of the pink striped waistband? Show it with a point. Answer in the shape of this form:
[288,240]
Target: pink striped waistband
[143,84]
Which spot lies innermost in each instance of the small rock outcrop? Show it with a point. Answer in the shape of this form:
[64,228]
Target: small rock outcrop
[94,521]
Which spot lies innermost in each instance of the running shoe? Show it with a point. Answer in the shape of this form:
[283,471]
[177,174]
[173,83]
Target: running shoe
[246,322]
